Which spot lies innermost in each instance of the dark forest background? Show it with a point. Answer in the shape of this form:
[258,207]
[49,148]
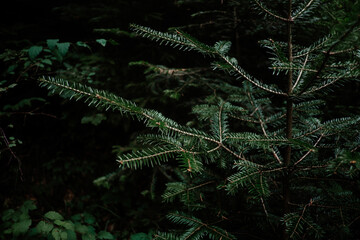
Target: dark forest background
[61,154]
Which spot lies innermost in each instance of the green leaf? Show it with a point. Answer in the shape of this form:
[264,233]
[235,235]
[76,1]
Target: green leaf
[113,42]
[65,224]
[11,68]
[52,43]
[47,61]
[76,217]
[63,48]
[101,41]
[30,205]
[63,235]
[71,235]
[88,236]
[82,44]
[21,227]
[89,219]
[7,214]
[53,215]
[94,119]
[44,227]
[105,235]
[34,51]
[139,236]
[56,234]
[69,225]
[82,229]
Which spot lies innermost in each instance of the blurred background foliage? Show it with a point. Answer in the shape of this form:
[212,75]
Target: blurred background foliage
[61,156]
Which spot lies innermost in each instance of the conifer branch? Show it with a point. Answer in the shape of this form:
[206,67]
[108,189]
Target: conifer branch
[303,9]
[308,152]
[262,201]
[254,81]
[190,43]
[293,68]
[232,152]
[197,225]
[326,83]
[103,99]
[137,159]
[327,56]
[300,73]
[271,13]
[174,190]
[263,126]
[220,123]
[298,222]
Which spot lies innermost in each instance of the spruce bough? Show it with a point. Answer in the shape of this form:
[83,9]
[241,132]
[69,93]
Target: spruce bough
[251,167]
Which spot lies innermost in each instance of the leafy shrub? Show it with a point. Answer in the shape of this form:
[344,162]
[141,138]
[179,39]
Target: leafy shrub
[19,224]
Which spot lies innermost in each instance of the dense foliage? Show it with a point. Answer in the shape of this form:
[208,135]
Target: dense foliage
[240,146]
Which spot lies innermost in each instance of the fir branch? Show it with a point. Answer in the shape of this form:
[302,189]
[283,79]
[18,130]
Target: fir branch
[220,120]
[327,55]
[105,100]
[173,40]
[254,81]
[301,72]
[166,236]
[187,42]
[197,226]
[248,137]
[177,188]
[262,7]
[327,83]
[262,123]
[308,152]
[302,10]
[313,47]
[148,157]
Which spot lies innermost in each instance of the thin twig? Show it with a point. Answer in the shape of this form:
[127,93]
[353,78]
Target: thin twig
[271,13]
[301,71]
[311,150]
[12,152]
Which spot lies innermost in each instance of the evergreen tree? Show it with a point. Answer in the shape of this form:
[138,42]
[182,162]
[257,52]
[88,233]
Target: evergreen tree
[260,160]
